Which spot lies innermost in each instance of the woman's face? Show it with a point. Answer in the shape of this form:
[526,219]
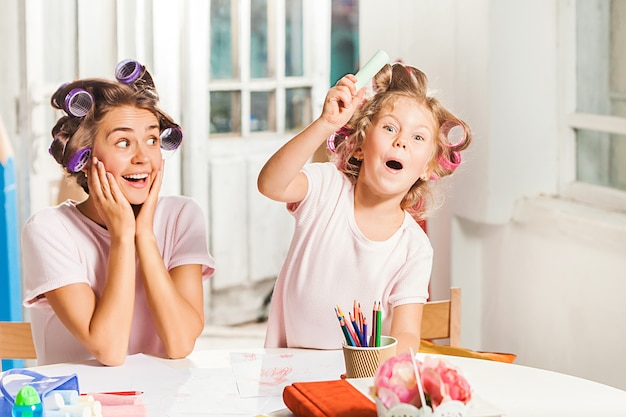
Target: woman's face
[128,145]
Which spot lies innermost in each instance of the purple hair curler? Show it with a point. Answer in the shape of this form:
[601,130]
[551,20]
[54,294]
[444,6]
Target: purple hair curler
[171,138]
[128,71]
[78,102]
[79,160]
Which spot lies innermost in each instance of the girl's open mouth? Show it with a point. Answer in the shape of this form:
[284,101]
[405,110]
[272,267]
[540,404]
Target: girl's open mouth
[394,164]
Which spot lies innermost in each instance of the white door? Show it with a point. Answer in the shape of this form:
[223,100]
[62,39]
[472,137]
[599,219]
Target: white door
[255,72]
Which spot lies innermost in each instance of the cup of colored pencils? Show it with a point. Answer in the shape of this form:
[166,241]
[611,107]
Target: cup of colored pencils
[363,353]
[363,361]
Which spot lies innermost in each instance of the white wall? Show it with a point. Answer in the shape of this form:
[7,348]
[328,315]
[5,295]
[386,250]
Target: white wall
[541,277]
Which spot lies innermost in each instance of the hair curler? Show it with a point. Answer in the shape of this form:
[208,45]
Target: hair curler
[454,132]
[371,67]
[171,138]
[78,102]
[79,160]
[128,71]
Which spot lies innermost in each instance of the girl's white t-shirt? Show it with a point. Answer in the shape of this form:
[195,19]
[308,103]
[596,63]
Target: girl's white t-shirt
[60,246]
[330,263]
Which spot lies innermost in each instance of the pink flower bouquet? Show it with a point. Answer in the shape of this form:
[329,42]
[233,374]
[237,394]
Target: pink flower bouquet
[396,390]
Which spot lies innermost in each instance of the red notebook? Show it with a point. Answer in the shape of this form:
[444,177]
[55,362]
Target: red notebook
[327,399]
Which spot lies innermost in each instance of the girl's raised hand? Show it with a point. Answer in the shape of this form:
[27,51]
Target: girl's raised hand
[341,101]
[112,206]
[145,218]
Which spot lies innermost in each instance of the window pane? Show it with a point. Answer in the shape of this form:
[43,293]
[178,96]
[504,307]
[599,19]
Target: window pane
[222,48]
[598,158]
[344,39]
[262,114]
[258,39]
[294,61]
[297,108]
[601,89]
[225,111]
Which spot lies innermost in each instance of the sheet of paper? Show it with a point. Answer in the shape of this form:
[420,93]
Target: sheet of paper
[267,374]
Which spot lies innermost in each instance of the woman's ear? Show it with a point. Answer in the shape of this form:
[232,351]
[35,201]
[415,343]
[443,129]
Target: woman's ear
[358,154]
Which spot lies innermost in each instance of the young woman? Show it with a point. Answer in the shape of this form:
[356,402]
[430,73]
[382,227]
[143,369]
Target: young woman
[120,272]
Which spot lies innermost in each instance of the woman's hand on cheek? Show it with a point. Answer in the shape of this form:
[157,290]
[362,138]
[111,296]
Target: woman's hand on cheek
[113,207]
[145,218]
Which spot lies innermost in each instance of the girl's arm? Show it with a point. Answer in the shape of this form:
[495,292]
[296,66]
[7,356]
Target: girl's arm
[281,179]
[174,298]
[406,326]
[103,325]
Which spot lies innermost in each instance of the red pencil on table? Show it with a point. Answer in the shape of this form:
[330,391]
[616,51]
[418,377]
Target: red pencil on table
[126,393]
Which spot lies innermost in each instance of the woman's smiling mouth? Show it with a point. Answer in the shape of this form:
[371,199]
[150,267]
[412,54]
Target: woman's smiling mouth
[135,177]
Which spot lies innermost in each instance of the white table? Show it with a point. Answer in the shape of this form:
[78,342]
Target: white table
[206,383]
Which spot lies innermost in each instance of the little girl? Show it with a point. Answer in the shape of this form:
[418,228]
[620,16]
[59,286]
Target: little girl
[120,272]
[356,236]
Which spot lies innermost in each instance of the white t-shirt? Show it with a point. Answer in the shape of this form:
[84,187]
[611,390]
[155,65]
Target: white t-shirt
[331,263]
[60,246]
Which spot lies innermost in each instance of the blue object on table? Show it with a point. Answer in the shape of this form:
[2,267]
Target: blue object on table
[13,380]
[27,403]
[10,282]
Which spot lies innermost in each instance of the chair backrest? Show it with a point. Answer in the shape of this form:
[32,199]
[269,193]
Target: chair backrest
[16,341]
[442,319]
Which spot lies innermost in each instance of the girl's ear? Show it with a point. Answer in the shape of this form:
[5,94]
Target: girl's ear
[358,154]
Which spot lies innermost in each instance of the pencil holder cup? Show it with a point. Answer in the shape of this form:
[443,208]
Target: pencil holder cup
[363,362]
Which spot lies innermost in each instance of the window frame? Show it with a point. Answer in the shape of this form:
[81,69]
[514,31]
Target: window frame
[569,187]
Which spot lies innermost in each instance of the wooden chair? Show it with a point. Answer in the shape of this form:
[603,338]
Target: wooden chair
[442,319]
[16,341]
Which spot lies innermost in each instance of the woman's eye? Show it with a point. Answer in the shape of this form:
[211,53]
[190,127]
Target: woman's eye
[124,143]
[152,141]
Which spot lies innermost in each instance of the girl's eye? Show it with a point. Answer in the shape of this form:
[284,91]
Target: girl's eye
[124,143]
[390,128]
[152,141]
[418,137]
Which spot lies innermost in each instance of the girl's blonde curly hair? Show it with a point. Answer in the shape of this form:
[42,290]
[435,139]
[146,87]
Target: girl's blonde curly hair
[390,83]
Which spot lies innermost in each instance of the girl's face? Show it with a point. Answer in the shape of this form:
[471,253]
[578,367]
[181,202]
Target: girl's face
[398,145]
[128,145]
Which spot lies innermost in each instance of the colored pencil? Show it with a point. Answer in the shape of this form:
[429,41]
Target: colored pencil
[349,327]
[373,341]
[344,329]
[365,343]
[346,332]
[379,325]
[356,329]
